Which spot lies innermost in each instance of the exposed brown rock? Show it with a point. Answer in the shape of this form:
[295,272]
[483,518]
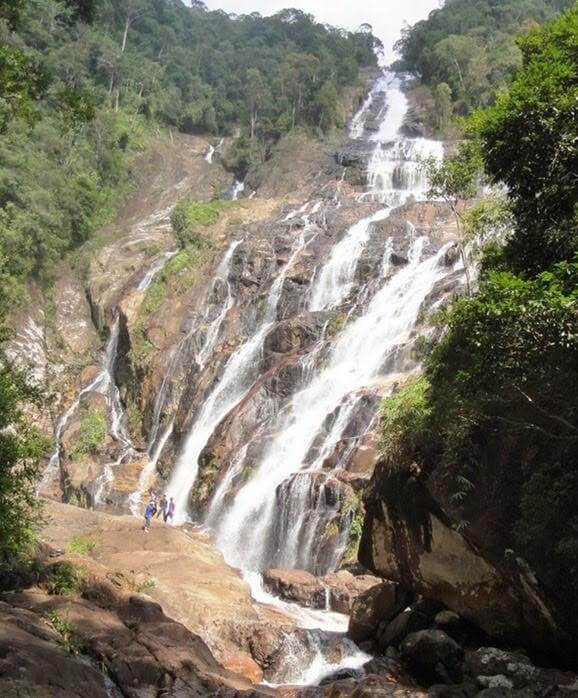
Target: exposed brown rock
[186,574]
[378,603]
[408,538]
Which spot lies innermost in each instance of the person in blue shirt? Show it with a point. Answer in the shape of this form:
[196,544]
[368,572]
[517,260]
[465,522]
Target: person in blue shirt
[149,512]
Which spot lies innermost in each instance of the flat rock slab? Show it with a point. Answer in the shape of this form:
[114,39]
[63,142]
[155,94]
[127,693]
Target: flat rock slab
[336,591]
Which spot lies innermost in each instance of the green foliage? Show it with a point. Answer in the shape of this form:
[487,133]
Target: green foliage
[91,433]
[501,409]
[22,83]
[82,81]
[492,216]
[470,47]
[355,533]
[405,420]
[455,178]
[529,141]
[188,217]
[67,631]
[21,447]
[81,545]
[62,579]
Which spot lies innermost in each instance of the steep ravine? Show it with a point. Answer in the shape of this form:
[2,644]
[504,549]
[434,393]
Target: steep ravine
[246,383]
[258,390]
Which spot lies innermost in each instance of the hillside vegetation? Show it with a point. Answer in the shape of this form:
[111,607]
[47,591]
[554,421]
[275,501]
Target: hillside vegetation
[466,52]
[494,423]
[83,82]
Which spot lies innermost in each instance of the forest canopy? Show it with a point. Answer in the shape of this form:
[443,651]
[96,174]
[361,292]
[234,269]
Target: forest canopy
[468,51]
[84,81]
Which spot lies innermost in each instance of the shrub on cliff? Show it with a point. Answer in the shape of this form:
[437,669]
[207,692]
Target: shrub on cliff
[91,433]
[188,217]
[21,447]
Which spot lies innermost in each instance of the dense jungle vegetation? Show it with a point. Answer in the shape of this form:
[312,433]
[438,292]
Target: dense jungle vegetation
[84,81]
[466,52]
[494,421]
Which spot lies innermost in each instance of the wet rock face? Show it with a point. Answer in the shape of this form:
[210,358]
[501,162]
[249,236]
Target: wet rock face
[336,591]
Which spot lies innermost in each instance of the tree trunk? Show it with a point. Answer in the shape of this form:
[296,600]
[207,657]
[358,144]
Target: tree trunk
[126,28]
[462,251]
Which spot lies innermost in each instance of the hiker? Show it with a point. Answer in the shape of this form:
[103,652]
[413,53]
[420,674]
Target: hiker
[170,510]
[149,511]
[163,504]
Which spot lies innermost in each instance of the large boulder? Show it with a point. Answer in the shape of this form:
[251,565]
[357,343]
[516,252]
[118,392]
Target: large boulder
[418,616]
[496,668]
[296,585]
[408,538]
[337,590]
[432,655]
[377,604]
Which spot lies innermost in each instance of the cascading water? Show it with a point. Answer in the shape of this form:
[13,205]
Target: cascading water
[241,371]
[237,190]
[155,444]
[245,532]
[103,382]
[155,268]
[394,175]
[276,512]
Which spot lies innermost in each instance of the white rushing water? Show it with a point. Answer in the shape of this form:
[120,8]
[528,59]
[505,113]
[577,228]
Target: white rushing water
[237,190]
[103,382]
[209,154]
[240,372]
[394,175]
[154,269]
[244,532]
[156,444]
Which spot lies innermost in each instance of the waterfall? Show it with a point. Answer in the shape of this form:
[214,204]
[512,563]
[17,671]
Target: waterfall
[336,278]
[394,174]
[245,531]
[155,268]
[209,154]
[241,371]
[103,382]
[237,190]
[155,445]
[279,512]
[221,276]
[211,150]
[279,516]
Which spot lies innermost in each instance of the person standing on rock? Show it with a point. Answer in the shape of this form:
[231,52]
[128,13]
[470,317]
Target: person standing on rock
[163,505]
[170,510]
[149,512]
